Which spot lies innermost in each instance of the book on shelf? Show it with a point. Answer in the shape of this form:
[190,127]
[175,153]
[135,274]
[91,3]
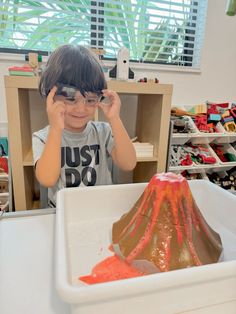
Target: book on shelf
[143,149]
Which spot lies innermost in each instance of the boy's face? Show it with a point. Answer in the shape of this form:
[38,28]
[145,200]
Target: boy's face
[79,110]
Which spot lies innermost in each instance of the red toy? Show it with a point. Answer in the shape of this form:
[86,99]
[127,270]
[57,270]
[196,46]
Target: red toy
[233,112]
[145,80]
[206,159]
[3,164]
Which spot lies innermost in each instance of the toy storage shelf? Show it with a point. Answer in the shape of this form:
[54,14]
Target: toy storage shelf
[197,137]
[180,138]
[202,168]
[152,125]
[5,190]
[4,196]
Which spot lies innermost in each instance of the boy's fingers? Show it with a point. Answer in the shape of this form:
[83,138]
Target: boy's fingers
[110,94]
[56,107]
[107,92]
[101,105]
[51,95]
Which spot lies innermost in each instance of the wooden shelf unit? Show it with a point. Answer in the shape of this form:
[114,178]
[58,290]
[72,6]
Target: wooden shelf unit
[153,115]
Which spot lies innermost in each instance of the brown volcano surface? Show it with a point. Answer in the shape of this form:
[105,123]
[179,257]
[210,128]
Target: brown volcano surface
[165,229]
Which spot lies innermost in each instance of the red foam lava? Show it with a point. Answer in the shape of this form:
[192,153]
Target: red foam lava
[110,269]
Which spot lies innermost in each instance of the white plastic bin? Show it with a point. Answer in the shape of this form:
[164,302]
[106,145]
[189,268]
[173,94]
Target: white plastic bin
[83,234]
[182,138]
[228,137]
[224,166]
[4,201]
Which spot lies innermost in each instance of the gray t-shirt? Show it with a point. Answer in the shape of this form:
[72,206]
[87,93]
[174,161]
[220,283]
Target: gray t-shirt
[85,157]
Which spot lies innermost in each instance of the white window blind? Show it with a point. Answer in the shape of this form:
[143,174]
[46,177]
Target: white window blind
[164,31]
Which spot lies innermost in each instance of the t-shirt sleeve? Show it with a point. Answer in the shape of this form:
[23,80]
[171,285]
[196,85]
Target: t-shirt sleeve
[37,146]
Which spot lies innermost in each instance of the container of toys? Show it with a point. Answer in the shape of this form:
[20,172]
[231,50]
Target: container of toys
[227,137]
[226,154]
[184,130]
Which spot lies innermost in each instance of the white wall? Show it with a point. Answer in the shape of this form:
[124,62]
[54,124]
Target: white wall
[217,79]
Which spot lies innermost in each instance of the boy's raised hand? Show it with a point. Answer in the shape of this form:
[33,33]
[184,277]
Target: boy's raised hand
[55,110]
[111,111]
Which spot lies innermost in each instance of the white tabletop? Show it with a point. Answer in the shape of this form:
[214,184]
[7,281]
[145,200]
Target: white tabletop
[26,264]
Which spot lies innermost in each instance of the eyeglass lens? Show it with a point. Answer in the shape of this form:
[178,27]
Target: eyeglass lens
[70,92]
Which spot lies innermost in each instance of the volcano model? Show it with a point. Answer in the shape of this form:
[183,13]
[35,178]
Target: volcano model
[165,230]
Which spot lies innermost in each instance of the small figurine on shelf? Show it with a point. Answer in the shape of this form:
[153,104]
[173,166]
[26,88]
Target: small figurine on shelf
[34,60]
[146,80]
[121,70]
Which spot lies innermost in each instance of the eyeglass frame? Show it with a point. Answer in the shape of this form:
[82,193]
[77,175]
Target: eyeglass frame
[69,92]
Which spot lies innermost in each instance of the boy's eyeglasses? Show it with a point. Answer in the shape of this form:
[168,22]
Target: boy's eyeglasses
[69,92]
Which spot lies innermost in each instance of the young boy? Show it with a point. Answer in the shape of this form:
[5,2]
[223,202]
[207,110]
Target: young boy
[73,150]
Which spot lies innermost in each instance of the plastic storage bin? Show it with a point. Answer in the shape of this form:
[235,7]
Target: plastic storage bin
[182,138]
[84,219]
[225,148]
[180,152]
[206,138]
[4,201]
[228,137]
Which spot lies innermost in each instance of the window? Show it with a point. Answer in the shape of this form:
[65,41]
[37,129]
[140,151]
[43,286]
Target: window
[165,31]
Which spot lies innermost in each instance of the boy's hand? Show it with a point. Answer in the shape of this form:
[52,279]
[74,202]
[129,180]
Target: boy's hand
[111,111]
[55,111]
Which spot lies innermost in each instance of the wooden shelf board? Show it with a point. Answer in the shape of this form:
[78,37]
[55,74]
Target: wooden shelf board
[29,82]
[125,87]
[28,159]
[146,159]
[36,204]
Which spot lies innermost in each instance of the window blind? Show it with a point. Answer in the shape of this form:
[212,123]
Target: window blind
[164,31]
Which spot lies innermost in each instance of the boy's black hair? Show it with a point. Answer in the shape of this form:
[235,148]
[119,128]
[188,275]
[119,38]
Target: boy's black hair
[73,65]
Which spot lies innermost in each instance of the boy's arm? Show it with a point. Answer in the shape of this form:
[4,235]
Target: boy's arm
[48,166]
[123,152]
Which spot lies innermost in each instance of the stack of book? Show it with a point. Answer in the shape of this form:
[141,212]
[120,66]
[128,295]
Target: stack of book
[143,149]
[25,70]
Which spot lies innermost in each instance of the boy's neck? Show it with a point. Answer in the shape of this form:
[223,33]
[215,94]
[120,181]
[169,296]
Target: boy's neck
[75,130]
